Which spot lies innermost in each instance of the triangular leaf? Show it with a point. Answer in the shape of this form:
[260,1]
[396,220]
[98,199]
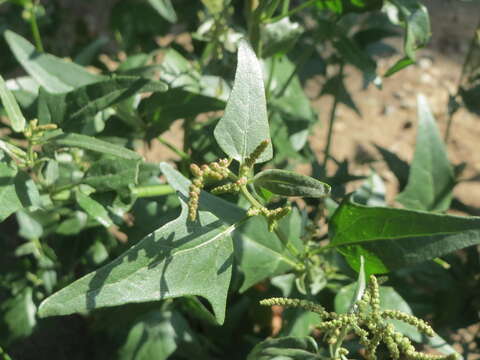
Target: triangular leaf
[431,179]
[181,258]
[245,124]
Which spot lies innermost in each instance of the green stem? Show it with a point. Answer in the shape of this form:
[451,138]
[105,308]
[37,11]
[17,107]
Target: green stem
[183,155]
[291,12]
[4,355]
[249,197]
[270,77]
[466,62]
[33,24]
[449,125]
[331,122]
[153,190]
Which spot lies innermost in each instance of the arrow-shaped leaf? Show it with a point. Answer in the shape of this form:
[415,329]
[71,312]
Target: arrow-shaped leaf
[176,260]
[431,179]
[245,124]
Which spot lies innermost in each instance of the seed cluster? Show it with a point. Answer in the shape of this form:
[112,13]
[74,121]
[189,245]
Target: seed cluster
[272,216]
[215,171]
[368,323]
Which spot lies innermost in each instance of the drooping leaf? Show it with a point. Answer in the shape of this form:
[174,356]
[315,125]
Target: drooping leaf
[94,209]
[391,238]
[54,74]
[286,348]
[391,300]
[245,124]
[289,183]
[180,258]
[165,9]
[399,65]
[11,107]
[74,108]
[431,179]
[416,21]
[93,144]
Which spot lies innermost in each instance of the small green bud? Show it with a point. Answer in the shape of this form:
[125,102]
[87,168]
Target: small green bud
[252,158]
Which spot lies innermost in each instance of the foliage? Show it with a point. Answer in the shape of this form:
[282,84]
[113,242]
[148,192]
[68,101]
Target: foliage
[170,259]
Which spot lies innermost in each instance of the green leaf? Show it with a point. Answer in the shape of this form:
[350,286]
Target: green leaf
[289,183]
[94,209]
[17,316]
[259,253]
[93,144]
[279,37]
[54,74]
[11,107]
[112,174]
[416,21]
[180,258]
[245,124]
[399,65]
[17,190]
[289,101]
[391,300]
[30,228]
[431,179]
[165,9]
[286,348]
[164,108]
[178,72]
[391,238]
[76,107]
[156,335]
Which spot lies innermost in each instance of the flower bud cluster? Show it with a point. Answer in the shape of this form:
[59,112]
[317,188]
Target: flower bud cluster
[232,187]
[215,171]
[33,132]
[253,157]
[297,303]
[369,323]
[272,216]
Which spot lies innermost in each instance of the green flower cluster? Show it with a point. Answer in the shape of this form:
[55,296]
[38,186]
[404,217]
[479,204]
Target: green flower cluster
[272,216]
[215,171]
[218,171]
[368,322]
